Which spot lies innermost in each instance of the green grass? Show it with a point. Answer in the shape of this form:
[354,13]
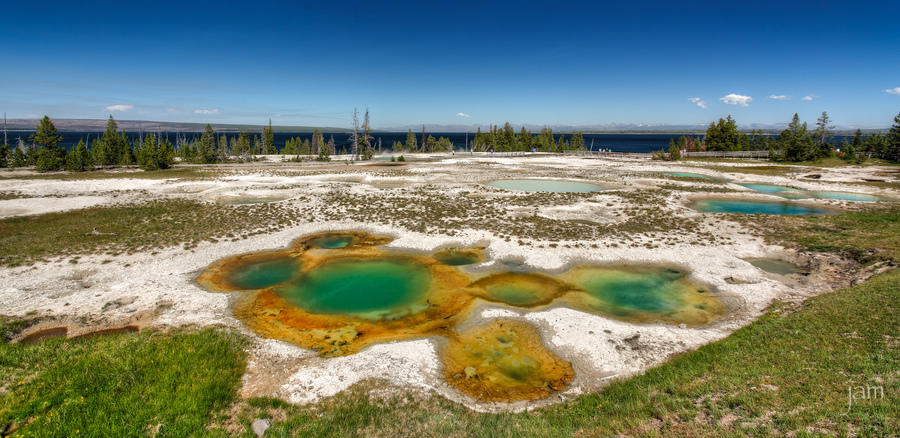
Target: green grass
[837,162]
[866,236]
[823,162]
[119,385]
[141,226]
[175,172]
[762,169]
[788,372]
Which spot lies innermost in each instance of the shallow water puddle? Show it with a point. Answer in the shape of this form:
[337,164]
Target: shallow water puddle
[338,301]
[688,175]
[782,191]
[847,196]
[504,360]
[545,185]
[460,256]
[776,266]
[644,294]
[521,289]
[792,193]
[695,176]
[264,273]
[757,207]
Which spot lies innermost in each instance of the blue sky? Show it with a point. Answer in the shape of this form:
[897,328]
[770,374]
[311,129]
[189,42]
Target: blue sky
[573,63]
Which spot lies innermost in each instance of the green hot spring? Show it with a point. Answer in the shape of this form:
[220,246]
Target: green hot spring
[372,289]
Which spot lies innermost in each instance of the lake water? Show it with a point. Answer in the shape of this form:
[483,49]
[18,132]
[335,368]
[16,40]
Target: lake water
[617,142]
[642,143]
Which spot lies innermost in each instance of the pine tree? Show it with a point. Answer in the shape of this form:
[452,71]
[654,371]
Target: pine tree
[578,141]
[148,153]
[524,139]
[46,135]
[365,141]
[822,135]
[305,147]
[18,158]
[411,141]
[268,139]
[4,155]
[50,156]
[545,139]
[891,148]
[112,145]
[724,136]
[79,158]
[243,144]
[222,151]
[561,146]
[852,149]
[316,144]
[674,151]
[206,152]
[324,150]
[795,142]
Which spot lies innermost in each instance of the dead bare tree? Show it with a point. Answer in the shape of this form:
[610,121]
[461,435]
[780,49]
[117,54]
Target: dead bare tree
[366,139]
[355,138]
[422,144]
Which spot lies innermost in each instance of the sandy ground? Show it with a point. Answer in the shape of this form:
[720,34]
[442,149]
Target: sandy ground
[159,290]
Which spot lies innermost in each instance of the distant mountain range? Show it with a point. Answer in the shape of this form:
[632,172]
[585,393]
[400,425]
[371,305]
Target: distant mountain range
[624,128]
[94,125]
[151,126]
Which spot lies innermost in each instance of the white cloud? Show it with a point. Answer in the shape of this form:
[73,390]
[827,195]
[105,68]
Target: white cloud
[463,115]
[893,91]
[172,110]
[120,107]
[809,97]
[697,101]
[206,111]
[736,99]
[779,97]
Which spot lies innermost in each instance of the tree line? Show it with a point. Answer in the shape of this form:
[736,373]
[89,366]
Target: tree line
[112,148]
[797,142]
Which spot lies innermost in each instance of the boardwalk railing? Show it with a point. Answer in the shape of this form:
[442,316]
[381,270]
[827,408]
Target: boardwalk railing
[727,154]
[706,154]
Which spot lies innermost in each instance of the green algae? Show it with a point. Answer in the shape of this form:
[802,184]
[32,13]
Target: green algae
[263,274]
[364,288]
[520,289]
[504,360]
[644,294]
[459,256]
[338,301]
[332,242]
[776,266]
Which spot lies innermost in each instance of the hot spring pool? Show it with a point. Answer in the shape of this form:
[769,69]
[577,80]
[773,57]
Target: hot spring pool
[847,196]
[366,288]
[757,207]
